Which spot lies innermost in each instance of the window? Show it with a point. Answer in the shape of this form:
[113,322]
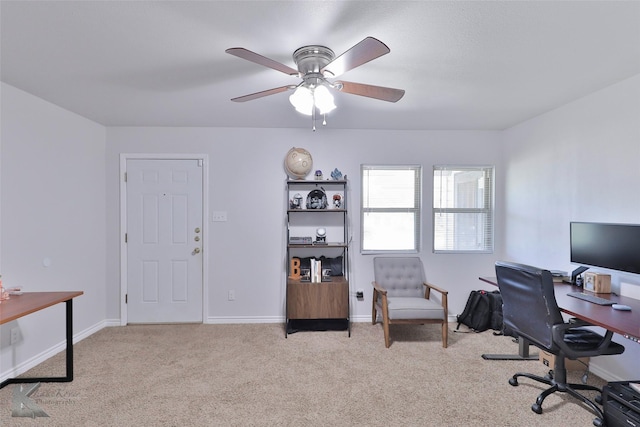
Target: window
[462,209]
[390,209]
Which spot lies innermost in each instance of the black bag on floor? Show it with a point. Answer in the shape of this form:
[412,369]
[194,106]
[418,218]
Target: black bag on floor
[497,322]
[483,311]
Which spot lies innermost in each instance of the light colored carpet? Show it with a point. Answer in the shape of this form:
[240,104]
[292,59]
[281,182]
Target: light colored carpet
[250,375]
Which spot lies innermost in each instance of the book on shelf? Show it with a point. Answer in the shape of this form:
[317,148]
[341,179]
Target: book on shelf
[316,271]
[559,276]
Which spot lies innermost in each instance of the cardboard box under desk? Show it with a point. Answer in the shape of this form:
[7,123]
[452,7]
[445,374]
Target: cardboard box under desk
[549,360]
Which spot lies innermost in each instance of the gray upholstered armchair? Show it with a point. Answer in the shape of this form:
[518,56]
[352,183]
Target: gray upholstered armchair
[402,295]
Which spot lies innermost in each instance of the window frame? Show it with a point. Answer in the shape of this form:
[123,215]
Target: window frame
[417,210]
[488,208]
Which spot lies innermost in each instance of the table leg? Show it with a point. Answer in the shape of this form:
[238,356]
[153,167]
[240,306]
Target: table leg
[69,355]
[69,327]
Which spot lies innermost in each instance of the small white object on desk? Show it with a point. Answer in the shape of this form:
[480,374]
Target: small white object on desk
[621,307]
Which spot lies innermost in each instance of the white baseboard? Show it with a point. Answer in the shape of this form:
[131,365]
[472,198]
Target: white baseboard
[603,373]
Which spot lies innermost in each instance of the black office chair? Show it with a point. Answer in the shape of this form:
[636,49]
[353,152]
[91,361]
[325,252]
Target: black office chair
[530,311]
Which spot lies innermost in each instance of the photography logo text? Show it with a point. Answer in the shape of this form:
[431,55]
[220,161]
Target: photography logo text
[28,400]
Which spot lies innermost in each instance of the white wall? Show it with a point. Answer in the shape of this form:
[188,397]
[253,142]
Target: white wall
[52,207]
[580,162]
[247,178]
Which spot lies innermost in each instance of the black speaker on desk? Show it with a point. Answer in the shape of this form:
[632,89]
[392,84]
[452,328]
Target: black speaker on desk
[621,405]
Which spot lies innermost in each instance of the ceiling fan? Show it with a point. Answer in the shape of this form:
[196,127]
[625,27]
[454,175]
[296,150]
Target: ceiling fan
[316,64]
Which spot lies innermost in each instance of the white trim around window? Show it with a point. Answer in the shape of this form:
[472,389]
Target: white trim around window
[390,209]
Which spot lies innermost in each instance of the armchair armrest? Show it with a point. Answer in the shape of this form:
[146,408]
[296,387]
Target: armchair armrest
[436,288]
[444,296]
[379,288]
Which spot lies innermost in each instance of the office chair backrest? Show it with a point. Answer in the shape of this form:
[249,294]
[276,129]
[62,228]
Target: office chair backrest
[529,303]
[401,277]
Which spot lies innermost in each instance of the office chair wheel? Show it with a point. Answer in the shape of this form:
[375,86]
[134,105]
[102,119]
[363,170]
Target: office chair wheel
[599,400]
[585,377]
[536,408]
[513,381]
[597,422]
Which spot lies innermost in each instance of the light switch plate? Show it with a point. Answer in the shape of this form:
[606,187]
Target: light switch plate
[219,216]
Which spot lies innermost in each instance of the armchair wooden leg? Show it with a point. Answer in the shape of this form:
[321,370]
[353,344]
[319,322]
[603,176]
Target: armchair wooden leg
[374,313]
[445,334]
[385,320]
[385,323]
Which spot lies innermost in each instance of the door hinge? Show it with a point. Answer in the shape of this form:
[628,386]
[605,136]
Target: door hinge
[125,177]
[126,238]
[126,298]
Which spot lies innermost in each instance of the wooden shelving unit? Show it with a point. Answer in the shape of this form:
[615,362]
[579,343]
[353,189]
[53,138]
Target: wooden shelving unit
[323,305]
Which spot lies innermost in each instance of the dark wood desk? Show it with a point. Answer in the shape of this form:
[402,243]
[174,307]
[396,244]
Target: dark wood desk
[625,323]
[29,302]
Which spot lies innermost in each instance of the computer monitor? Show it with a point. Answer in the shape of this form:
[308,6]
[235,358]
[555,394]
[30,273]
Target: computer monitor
[612,246]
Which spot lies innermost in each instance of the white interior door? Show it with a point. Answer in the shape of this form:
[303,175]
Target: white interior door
[164,240]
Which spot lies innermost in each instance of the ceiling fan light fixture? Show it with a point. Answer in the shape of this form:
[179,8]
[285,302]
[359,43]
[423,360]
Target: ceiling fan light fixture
[305,98]
[302,100]
[323,99]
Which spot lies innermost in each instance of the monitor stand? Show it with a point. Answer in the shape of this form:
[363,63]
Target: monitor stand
[575,273]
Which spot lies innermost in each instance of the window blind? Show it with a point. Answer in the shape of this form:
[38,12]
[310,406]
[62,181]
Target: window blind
[391,202]
[463,204]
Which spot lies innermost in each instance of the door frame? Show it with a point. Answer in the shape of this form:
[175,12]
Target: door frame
[204,158]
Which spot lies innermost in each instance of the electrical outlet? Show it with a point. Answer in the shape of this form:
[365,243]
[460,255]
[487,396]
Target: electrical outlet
[232,295]
[15,335]
[360,294]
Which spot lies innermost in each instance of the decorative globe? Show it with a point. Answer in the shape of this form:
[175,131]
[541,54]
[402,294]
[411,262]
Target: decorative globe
[298,163]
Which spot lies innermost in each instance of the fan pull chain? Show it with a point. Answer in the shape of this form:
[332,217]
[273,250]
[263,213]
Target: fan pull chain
[313,118]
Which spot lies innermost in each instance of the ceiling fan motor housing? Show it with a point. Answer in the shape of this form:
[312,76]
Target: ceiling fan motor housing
[312,59]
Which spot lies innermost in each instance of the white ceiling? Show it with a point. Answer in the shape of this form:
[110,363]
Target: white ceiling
[464,65]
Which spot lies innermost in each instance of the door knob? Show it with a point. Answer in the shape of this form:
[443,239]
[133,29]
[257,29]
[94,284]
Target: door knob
[195,251]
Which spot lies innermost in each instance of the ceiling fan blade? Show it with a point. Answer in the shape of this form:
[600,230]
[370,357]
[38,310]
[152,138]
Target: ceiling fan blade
[363,52]
[370,91]
[264,93]
[243,53]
